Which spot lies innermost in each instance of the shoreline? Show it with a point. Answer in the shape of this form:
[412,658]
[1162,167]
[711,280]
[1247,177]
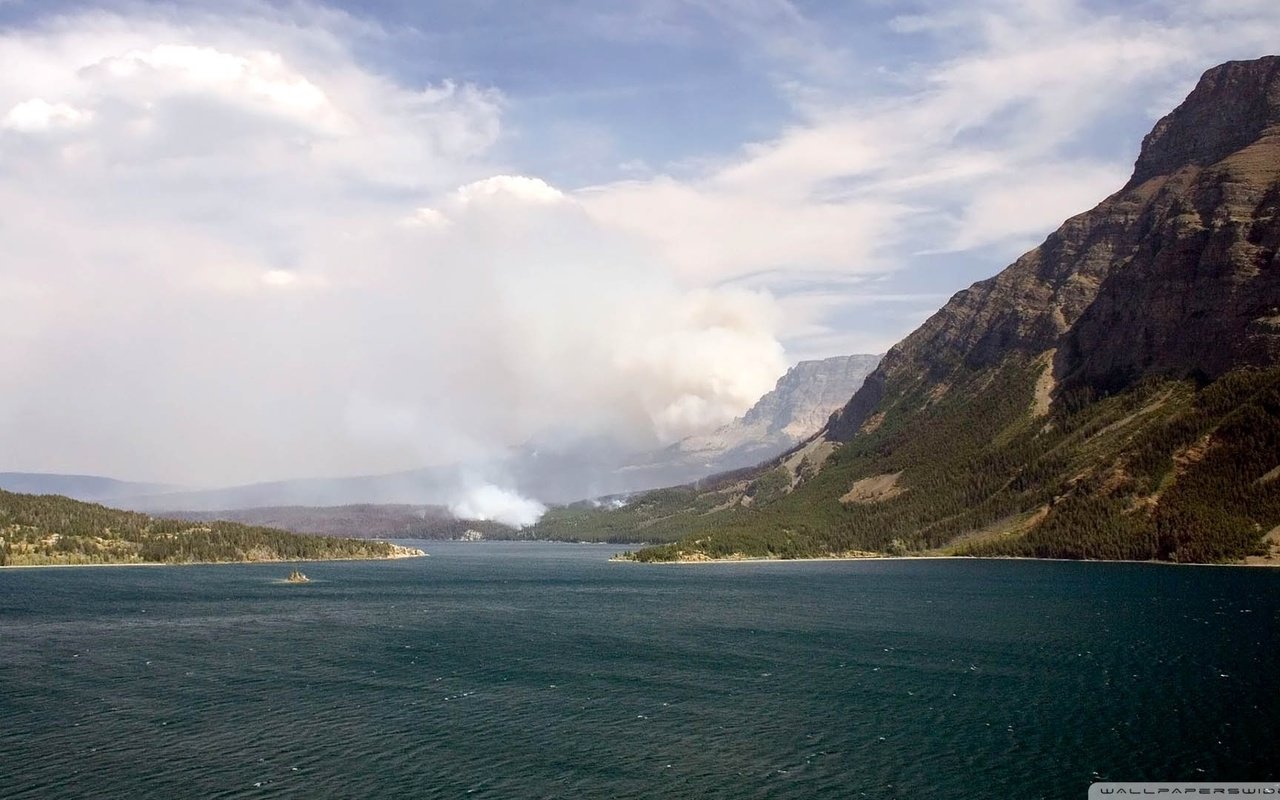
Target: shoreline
[693,562]
[395,557]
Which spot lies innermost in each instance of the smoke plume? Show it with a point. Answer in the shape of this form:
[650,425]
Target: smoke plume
[230,261]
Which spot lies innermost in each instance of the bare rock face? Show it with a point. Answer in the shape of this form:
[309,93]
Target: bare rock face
[1231,108]
[797,408]
[807,395]
[1175,275]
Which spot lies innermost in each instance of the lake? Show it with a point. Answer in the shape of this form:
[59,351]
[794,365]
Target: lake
[533,670]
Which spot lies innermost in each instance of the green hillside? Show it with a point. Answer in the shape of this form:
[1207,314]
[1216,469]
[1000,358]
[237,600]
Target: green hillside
[50,529]
[1165,471]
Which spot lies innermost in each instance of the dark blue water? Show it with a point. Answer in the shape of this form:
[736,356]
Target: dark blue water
[536,670]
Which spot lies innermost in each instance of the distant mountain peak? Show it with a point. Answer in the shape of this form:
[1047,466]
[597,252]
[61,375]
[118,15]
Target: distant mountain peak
[797,407]
[805,396]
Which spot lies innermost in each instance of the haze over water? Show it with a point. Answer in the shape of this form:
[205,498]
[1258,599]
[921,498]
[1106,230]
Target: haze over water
[536,670]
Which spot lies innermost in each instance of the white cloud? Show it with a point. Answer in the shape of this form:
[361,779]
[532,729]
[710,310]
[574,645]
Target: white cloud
[517,188]
[260,79]
[839,192]
[1023,205]
[711,233]
[985,146]
[36,114]
[427,218]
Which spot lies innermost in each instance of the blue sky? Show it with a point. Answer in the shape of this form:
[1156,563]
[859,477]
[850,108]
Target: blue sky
[365,236]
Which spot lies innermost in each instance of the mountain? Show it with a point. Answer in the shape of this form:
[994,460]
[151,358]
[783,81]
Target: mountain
[1173,275]
[50,529]
[805,398]
[795,409]
[416,487]
[88,488]
[1114,393]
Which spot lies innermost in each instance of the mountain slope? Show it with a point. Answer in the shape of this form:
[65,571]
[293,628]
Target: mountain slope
[1112,394]
[1174,274]
[87,488]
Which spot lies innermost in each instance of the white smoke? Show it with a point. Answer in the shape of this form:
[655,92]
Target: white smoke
[612,503]
[492,503]
[295,267]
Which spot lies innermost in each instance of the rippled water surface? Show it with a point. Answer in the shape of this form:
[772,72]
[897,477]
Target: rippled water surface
[537,670]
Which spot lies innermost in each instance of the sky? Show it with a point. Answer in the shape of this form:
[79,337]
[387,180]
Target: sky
[248,241]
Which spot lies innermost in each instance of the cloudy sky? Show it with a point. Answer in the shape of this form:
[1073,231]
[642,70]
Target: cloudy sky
[247,240]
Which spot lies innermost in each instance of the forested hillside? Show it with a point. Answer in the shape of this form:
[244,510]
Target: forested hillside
[1164,471]
[50,529]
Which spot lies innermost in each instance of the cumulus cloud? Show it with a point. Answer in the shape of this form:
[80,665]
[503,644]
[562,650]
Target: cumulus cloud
[236,257]
[511,188]
[36,114]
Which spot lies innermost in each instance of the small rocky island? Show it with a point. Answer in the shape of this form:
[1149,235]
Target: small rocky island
[297,577]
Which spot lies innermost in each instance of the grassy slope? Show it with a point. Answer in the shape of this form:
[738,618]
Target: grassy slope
[50,529]
[1166,470]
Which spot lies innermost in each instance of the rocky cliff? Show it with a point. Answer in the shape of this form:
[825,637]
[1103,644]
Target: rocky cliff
[806,396]
[1174,275]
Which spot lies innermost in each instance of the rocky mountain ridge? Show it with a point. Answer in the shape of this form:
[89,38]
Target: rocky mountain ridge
[1114,393]
[1173,275]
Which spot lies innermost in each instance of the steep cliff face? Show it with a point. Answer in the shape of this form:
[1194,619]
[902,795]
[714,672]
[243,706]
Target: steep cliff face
[1232,106]
[1199,292]
[1174,275]
[804,398]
